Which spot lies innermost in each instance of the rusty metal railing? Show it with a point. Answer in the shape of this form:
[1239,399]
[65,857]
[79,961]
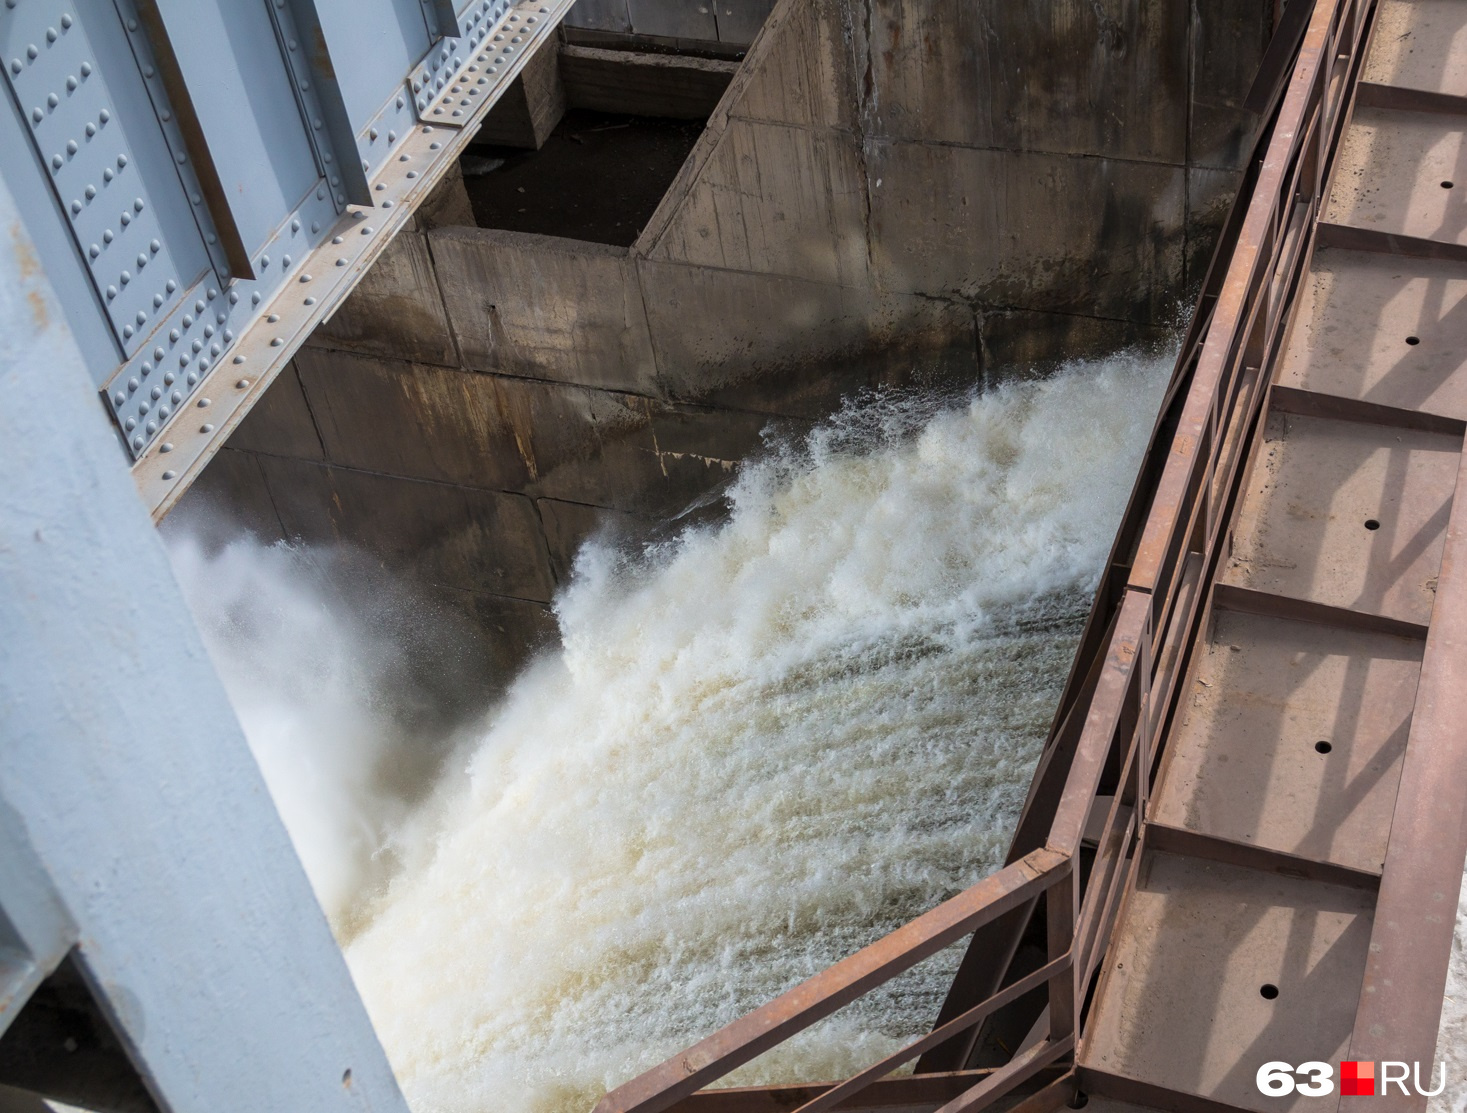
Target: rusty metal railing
[1091,789]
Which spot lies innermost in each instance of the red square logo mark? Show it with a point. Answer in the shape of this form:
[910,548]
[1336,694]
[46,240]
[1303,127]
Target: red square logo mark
[1357,1079]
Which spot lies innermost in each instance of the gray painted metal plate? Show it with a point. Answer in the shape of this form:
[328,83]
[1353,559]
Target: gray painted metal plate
[266,336]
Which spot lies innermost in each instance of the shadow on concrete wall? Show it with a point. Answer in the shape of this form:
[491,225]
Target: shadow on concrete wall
[889,192]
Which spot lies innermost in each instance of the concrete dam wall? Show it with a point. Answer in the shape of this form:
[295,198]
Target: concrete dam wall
[888,193]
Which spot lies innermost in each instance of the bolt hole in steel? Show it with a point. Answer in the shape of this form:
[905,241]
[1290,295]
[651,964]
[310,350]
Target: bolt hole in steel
[1268,991]
[1371,524]
[1413,340]
[1447,185]
[1080,1100]
[1322,747]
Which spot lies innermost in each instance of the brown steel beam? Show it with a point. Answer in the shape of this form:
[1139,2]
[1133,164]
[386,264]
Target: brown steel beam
[1399,98]
[1247,600]
[1411,937]
[890,1093]
[1137,1092]
[1312,403]
[1196,844]
[1347,237]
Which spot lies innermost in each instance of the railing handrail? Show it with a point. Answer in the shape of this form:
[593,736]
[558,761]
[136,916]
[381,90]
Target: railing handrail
[822,994]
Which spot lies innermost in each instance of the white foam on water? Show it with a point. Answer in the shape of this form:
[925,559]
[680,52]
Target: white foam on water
[759,747]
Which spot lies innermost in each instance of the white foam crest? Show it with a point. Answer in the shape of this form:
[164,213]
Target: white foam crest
[760,747]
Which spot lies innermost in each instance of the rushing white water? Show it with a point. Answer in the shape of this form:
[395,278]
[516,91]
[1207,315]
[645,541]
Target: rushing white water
[758,748]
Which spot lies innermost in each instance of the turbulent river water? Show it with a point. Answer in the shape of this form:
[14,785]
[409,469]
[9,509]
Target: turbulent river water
[756,747]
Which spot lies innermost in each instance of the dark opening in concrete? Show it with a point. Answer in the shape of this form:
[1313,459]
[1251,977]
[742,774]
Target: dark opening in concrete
[598,177]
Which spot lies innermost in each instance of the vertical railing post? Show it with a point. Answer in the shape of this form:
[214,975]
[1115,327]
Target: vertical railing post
[1060,903]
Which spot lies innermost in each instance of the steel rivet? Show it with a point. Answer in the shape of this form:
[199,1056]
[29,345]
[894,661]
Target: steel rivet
[166,446]
[170,474]
[206,428]
[272,318]
[241,384]
[202,403]
[310,301]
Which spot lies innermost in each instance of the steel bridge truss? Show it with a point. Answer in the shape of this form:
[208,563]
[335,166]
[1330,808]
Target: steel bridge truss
[206,180]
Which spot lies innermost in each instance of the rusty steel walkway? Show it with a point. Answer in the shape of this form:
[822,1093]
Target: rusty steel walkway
[1246,834]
